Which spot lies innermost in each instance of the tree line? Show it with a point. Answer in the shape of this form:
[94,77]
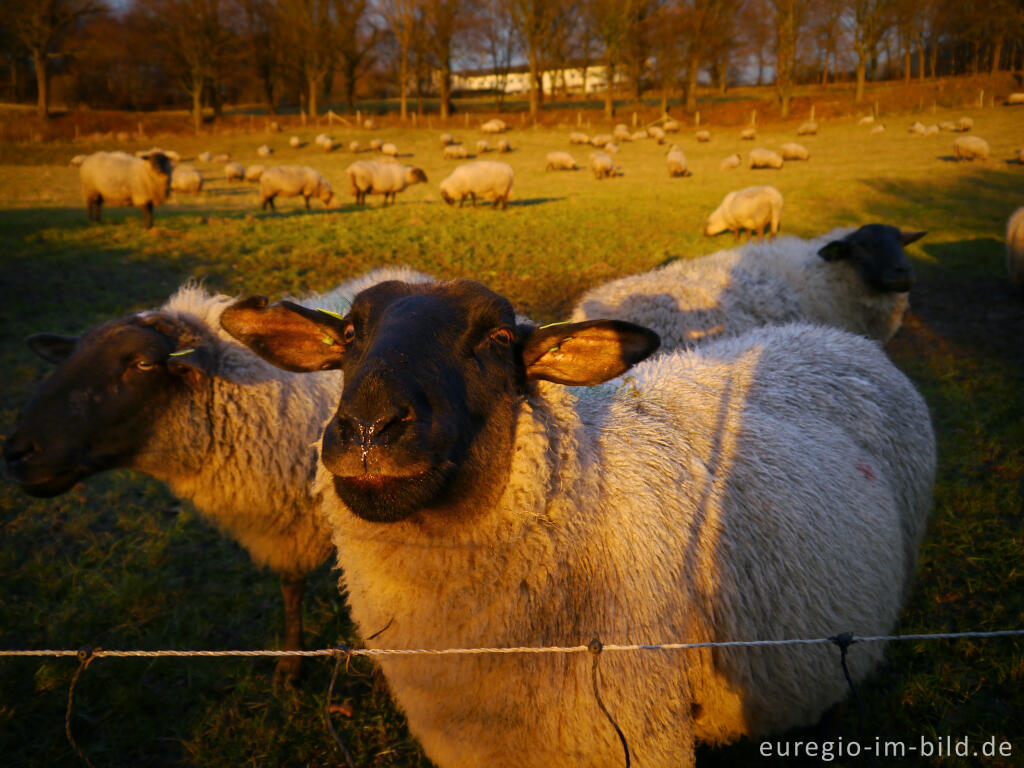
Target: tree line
[144,54]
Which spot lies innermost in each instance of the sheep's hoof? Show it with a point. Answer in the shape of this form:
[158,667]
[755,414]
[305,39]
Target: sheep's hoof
[287,670]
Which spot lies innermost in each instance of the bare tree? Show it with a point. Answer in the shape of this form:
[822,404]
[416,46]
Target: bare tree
[499,43]
[532,20]
[445,22]
[308,29]
[868,21]
[264,42]
[789,18]
[403,17]
[614,23]
[355,43]
[666,28]
[42,27]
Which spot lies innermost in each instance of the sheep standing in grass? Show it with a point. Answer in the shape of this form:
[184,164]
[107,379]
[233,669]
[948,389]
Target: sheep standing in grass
[455,152]
[353,146]
[656,133]
[117,178]
[560,161]
[611,147]
[621,132]
[446,139]
[264,151]
[234,172]
[222,158]
[295,142]
[205,157]
[389,150]
[1015,249]
[483,178]
[253,173]
[947,125]
[168,393]
[504,146]
[964,124]
[970,148]
[810,128]
[495,125]
[854,279]
[677,163]
[917,128]
[294,181]
[754,209]
[877,130]
[793,151]
[730,162]
[577,137]
[185,178]
[601,139]
[376,145]
[602,165]
[748,134]
[703,135]
[764,158]
[482,146]
[671,126]
[1014,99]
[77,160]
[368,177]
[708,496]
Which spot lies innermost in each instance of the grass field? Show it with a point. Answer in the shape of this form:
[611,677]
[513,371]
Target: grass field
[120,563]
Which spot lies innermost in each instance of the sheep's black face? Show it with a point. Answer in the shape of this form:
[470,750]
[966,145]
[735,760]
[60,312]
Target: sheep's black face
[95,410]
[434,376]
[876,252]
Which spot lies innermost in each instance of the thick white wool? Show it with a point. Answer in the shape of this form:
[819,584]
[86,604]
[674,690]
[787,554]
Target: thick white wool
[122,179]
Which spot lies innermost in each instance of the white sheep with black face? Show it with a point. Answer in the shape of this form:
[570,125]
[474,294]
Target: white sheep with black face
[486,179]
[706,496]
[117,178]
[755,209]
[855,279]
[294,181]
[368,177]
[198,411]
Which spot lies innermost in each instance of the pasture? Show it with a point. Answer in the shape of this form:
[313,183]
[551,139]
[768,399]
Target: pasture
[119,563]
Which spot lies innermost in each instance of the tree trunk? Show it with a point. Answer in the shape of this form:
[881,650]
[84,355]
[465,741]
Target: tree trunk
[861,77]
[609,91]
[197,104]
[446,76]
[535,83]
[42,78]
[920,63]
[664,100]
[268,95]
[934,63]
[997,53]
[824,70]
[403,86]
[311,83]
[691,84]
[906,64]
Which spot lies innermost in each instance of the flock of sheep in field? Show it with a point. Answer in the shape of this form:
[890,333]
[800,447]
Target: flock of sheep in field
[483,481]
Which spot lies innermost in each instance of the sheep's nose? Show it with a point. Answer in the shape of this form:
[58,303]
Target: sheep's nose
[367,431]
[18,451]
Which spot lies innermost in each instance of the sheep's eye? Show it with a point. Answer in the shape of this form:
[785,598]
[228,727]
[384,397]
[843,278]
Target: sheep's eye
[145,365]
[502,336]
[349,333]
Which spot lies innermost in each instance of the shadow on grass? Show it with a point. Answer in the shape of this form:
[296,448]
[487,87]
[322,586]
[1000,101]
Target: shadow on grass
[527,202]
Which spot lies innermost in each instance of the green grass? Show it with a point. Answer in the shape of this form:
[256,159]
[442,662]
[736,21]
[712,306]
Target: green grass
[119,563]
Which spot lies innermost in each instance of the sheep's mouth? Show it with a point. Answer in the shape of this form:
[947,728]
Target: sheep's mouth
[42,484]
[390,498]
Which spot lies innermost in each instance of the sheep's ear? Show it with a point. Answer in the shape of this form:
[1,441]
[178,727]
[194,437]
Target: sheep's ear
[288,335]
[587,353]
[911,237]
[51,347]
[834,251]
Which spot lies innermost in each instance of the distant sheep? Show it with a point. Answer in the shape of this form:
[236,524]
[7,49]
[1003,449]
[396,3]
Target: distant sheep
[970,148]
[560,161]
[244,463]
[77,161]
[294,181]
[621,133]
[482,146]
[264,151]
[1020,156]
[295,142]
[866,120]
[253,173]
[854,279]
[931,130]
[389,149]
[764,158]
[602,165]
[638,135]
[755,209]
[222,158]
[483,178]
[917,128]
[611,147]
[671,126]
[322,139]
[354,147]
[234,172]
[274,127]
[185,178]
[601,139]
[810,128]
[1014,99]
[455,152]
[677,163]
[748,134]
[117,178]
[732,161]
[388,179]
[793,151]
[947,125]
[703,135]
[877,130]
[1015,249]
[171,155]
[376,145]
[964,124]
[656,133]
[504,146]
[446,139]
[205,157]
[494,126]
[369,124]
[576,137]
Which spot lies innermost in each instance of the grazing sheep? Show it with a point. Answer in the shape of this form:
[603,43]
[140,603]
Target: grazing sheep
[748,134]
[656,133]
[964,124]
[117,178]
[1014,99]
[916,128]
[877,130]
[947,125]
[253,172]
[703,135]
[482,178]
[389,149]
[264,151]
[295,142]
[205,157]
[376,145]
[446,139]
[322,139]
[1015,249]
[970,148]
[638,135]
[274,127]
[494,126]
[219,426]
[866,120]
[732,161]
[234,172]
[765,158]
[754,209]
[294,181]
[353,146]
[578,138]
[671,126]
[854,279]
[793,151]
[602,165]
[504,146]
[1020,156]
[368,177]
[677,163]
[455,152]
[708,496]
[222,158]
[931,130]
[621,133]
[369,124]
[612,147]
[77,161]
[185,178]
[810,128]
[601,139]
[560,161]
[482,146]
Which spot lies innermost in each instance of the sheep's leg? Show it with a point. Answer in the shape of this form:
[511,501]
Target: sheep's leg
[147,214]
[306,198]
[472,196]
[292,589]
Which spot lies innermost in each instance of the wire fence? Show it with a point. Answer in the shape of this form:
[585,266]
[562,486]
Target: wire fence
[595,647]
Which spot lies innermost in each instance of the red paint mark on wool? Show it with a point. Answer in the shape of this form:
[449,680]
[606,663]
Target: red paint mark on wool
[865,469]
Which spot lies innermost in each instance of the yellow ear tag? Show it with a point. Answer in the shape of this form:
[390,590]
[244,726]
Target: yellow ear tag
[328,341]
[182,353]
[328,312]
[552,325]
